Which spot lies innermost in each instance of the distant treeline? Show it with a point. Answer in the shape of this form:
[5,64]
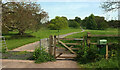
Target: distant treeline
[91,22]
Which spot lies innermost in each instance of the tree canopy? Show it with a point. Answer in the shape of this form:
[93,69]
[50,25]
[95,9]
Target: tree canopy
[78,20]
[73,24]
[58,23]
[94,22]
[21,15]
[89,22]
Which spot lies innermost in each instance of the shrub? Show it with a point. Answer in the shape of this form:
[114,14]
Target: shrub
[90,58]
[40,55]
[4,49]
[103,63]
[88,55]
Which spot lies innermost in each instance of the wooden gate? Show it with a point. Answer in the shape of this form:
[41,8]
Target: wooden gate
[67,50]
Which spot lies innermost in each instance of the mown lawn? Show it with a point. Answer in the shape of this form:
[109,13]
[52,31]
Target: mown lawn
[109,31]
[13,40]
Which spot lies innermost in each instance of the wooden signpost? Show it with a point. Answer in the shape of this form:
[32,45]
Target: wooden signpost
[107,51]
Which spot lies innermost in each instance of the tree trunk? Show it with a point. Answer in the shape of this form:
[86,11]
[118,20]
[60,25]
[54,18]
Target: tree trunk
[21,32]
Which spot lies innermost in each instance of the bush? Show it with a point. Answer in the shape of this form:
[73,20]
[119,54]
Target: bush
[40,55]
[89,58]
[4,49]
[103,63]
[88,55]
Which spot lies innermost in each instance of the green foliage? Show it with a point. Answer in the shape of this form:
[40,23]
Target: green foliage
[78,20]
[4,49]
[94,22]
[101,23]
[40,55]
[88,55]
[22,16]
[73,24]
[103,63]
[58,23]
[91,23]
[114,23]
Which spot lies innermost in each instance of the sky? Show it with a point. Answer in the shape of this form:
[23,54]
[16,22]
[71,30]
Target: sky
[73,9]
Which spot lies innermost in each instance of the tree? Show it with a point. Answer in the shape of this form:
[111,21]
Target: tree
[21,15]
[73,23]
[78,20]
[94,22]
[84,22]
[41,18]
[110,5]
[101,23]
[58,23]
[91,24]
[114,23]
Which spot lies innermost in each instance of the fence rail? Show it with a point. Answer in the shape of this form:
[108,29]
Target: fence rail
[53,50]
[103,36]
[89,42]
[76,39]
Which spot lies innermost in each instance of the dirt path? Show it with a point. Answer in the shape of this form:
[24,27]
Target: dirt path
[7,63]
[31,64]
[31,47]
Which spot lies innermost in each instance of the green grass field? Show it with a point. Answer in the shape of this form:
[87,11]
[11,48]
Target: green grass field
[97,32]
[109,31]
[14,41]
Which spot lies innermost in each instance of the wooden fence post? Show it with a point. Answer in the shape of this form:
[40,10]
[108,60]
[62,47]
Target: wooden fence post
[55,46]
[83,43]
[51,45]
[88,39]
[107,51]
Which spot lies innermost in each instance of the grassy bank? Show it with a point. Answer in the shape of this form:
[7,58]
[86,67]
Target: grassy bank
[14,40]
